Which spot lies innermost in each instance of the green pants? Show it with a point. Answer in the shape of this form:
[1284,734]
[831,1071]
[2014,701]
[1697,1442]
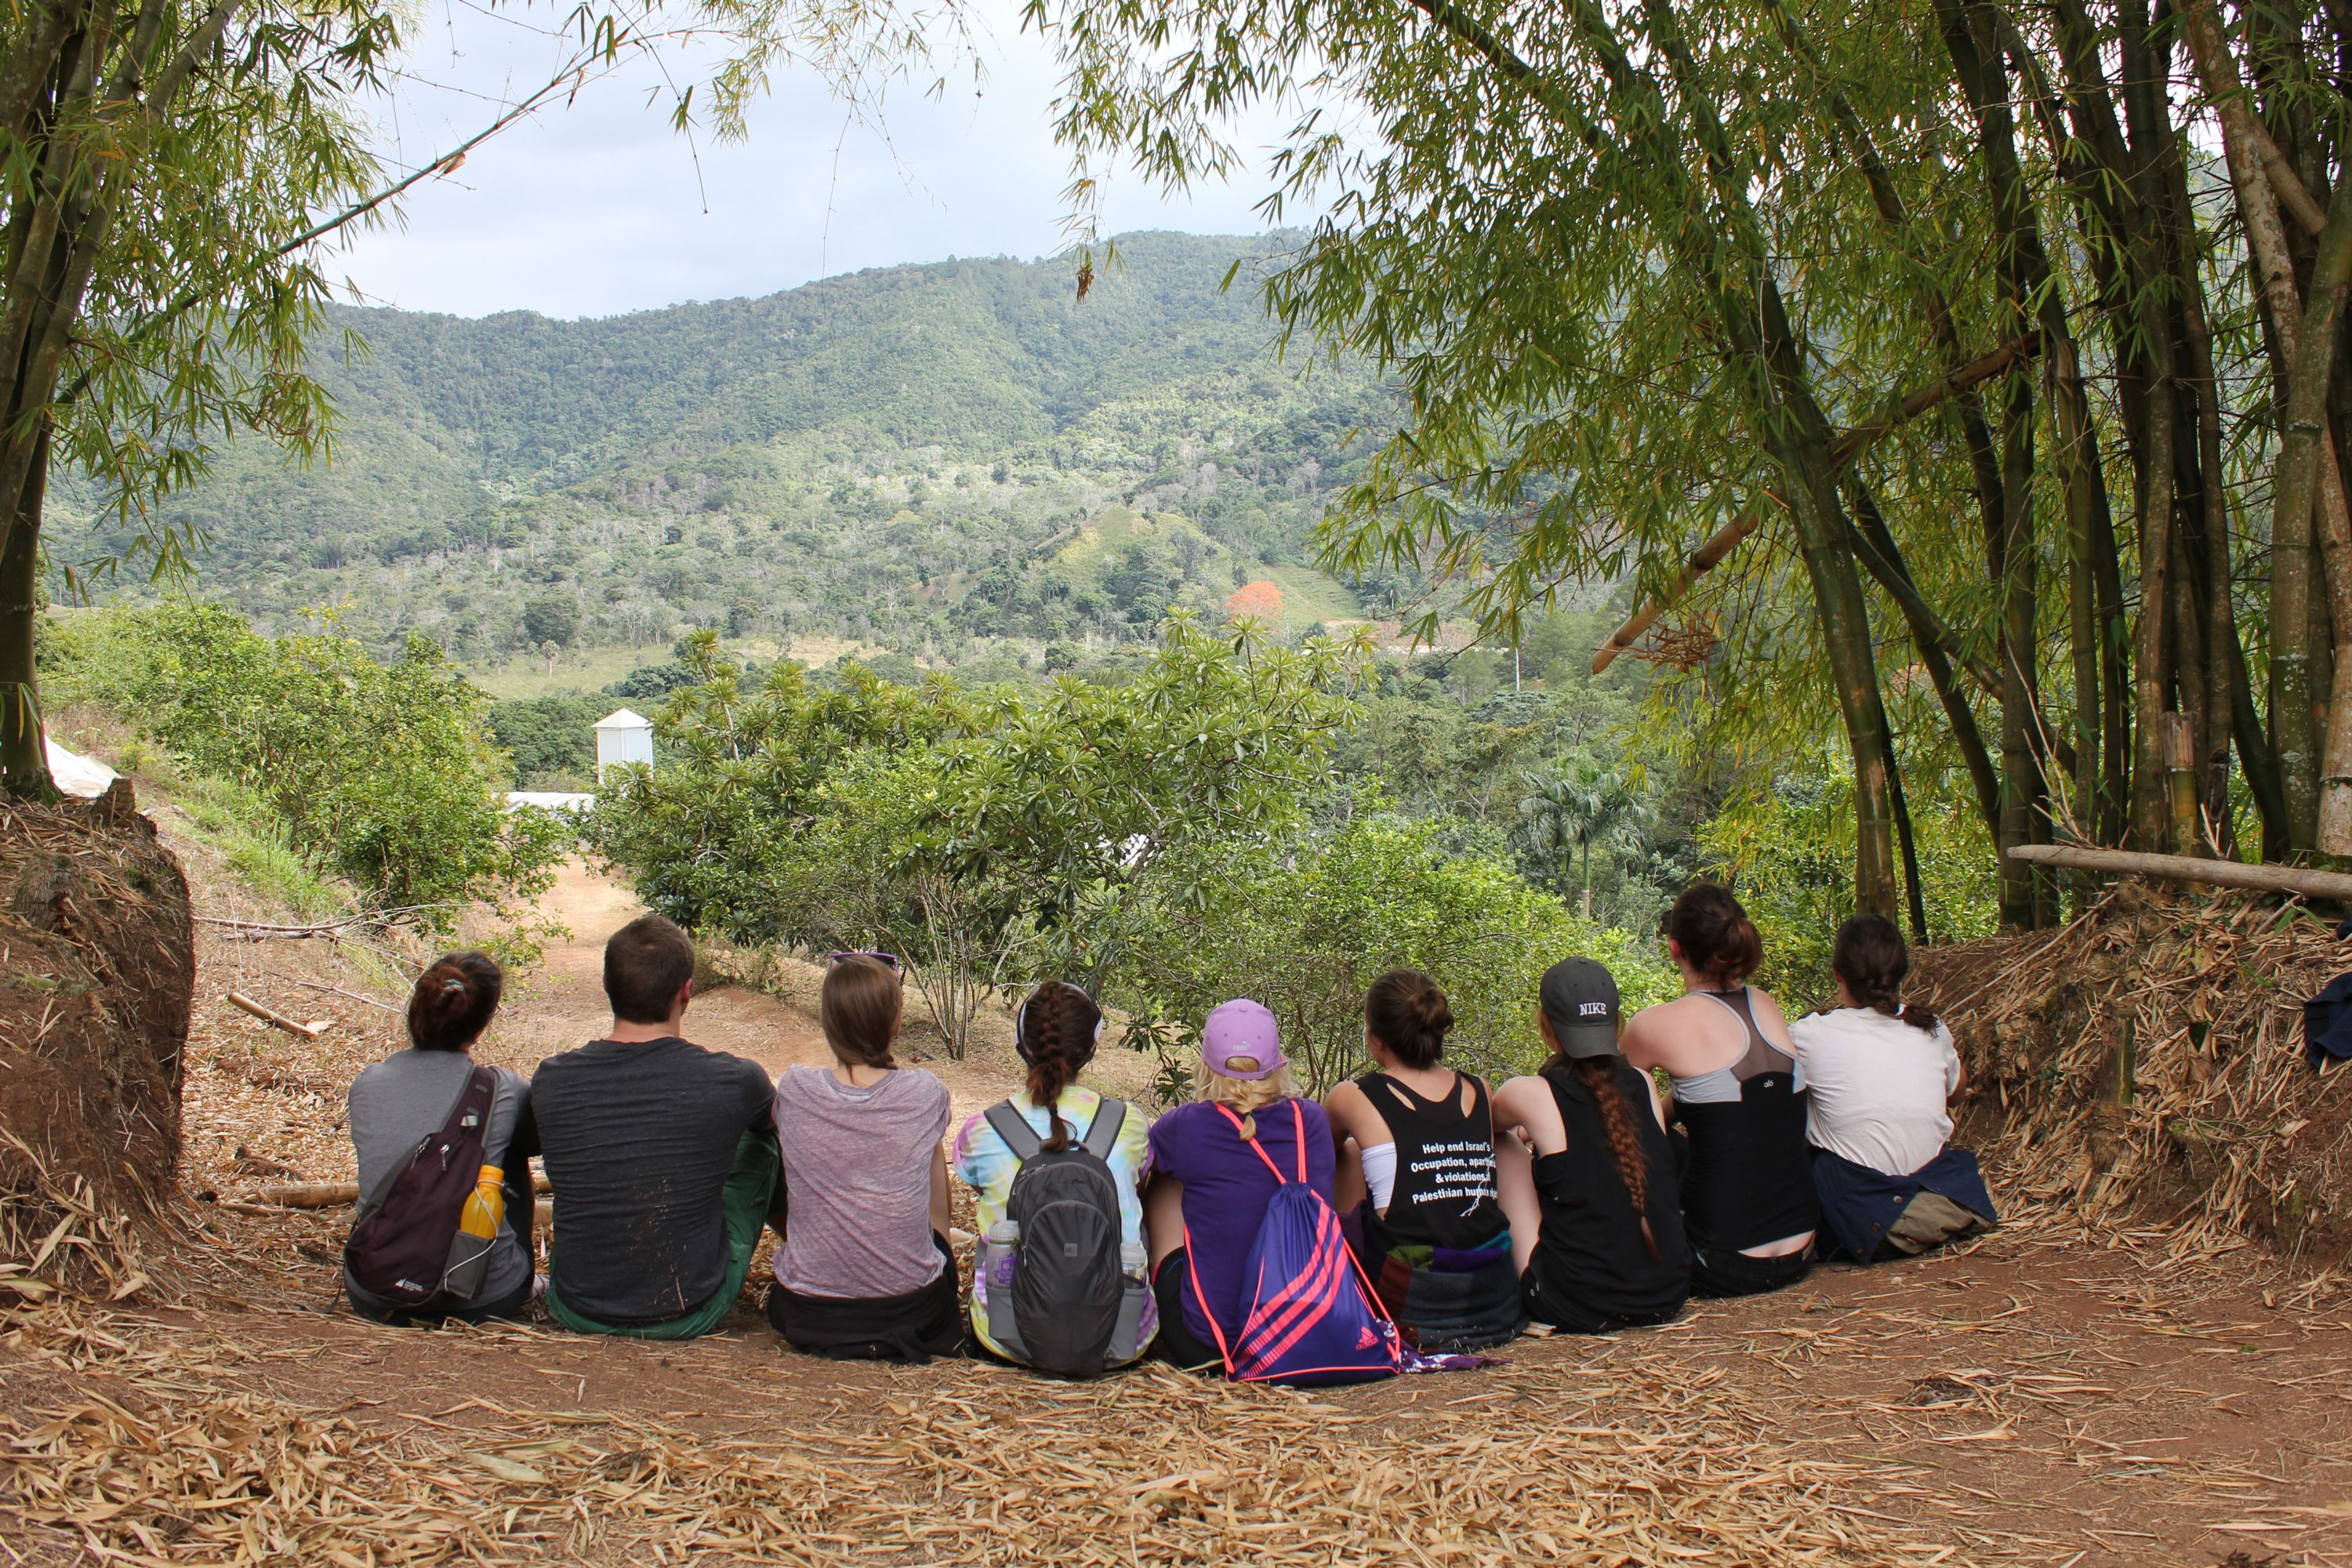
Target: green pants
[743,1204]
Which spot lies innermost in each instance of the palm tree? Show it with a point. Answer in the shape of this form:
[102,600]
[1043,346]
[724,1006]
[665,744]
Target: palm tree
[1576,804]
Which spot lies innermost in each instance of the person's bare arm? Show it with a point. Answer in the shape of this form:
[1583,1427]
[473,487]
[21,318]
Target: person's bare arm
[1524,1109]
[1656,1110]
[1643,1037]
[1163,1215]
[1771,1020]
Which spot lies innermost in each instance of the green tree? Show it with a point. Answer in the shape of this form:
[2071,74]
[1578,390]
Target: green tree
[166,174]
[553,619]
[160,166]
[957,828]
[384,774]
[1306,924]
[1664,278]
[1576,805]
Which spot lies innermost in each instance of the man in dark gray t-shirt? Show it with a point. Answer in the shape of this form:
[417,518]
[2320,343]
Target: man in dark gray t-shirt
[662,1155]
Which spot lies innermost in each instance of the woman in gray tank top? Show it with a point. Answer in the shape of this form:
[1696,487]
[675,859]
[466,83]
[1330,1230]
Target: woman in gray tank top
[1748,1204]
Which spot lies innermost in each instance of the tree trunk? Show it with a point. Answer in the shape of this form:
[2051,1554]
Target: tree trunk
[24,756]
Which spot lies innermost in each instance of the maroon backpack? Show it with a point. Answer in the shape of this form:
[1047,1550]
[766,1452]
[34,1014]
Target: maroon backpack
[401,1252]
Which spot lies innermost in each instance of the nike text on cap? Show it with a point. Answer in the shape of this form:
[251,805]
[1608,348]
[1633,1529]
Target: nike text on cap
[1579,997]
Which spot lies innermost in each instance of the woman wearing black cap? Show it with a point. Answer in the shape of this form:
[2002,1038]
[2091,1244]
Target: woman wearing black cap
[1740,1094]
[1595,1226]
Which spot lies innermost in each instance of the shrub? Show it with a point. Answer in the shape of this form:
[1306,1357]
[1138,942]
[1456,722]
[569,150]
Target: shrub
[384,774]
[1306,927]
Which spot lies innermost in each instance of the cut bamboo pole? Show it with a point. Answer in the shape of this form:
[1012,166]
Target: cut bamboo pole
[2183,869]
[276,1019]
[326,1195]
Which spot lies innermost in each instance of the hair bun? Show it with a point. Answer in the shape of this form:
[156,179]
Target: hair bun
[453,1001]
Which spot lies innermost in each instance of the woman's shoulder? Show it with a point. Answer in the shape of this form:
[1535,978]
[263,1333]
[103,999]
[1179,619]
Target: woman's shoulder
[922,1081]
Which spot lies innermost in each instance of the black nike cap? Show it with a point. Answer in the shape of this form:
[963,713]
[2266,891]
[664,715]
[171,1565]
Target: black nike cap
[1579,997]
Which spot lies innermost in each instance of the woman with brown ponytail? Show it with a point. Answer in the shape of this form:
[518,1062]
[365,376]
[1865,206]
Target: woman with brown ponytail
[1056,1031]
[863,1270]
[1416,1148]
[408,1097]
[1595,1229]
[1740,1097]
[1884,1073]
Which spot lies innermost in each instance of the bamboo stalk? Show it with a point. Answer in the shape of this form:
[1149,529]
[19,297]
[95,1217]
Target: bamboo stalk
[324,1195]
[1711,555]
[276,1019]
[2183,869]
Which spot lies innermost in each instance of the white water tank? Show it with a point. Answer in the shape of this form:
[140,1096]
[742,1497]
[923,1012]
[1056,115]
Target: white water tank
[623,737]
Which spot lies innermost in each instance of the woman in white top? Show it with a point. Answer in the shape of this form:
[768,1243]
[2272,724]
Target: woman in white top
[1882,1075]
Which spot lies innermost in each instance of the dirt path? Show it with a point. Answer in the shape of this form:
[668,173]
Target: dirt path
[563,1002]
[2043,1397]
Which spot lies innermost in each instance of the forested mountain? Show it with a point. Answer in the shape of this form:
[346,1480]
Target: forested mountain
[914,456]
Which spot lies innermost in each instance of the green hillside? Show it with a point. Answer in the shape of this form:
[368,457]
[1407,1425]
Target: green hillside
[918,458]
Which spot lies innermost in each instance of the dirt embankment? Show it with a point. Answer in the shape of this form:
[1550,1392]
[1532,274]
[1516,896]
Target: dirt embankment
[2143,1065]
[97,964]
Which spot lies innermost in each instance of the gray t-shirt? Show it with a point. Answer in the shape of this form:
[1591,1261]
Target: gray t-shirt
[857,1179]
[404,1099]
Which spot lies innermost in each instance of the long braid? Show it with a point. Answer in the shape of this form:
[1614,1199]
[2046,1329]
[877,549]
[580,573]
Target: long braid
[1599,1076]
[1057,1032]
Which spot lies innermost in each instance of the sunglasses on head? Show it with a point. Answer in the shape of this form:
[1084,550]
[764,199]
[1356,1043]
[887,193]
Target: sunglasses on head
[876,954]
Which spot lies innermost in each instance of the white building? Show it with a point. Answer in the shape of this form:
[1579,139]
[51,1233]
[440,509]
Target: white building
[623,737]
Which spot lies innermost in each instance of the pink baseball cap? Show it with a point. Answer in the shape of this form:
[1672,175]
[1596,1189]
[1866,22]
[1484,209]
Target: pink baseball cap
[1241,1028]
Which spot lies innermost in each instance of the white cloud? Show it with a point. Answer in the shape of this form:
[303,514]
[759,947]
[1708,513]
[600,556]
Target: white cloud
[601,207]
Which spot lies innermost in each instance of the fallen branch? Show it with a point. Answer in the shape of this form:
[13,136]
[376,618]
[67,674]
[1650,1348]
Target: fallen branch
[266,931]
[339,991]
[276,1019]
[1843,450]
[2186,869]
[318,1194]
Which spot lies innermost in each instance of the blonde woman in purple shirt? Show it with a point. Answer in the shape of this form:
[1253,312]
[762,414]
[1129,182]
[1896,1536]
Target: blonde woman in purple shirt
[1210,1186]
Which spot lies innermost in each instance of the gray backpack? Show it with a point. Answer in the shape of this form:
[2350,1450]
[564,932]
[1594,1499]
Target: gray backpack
[1063,1294]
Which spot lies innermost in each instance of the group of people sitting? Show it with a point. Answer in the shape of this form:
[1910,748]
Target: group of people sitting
[1706,1145]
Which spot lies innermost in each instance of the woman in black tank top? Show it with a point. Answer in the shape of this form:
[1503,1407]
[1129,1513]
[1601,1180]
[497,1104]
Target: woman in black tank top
[1594,1219]
[1747,1197]
[1416,1149]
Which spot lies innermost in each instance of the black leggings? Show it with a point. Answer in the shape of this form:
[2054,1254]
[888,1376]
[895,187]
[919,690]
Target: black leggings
[1176,1342]
[924,1322]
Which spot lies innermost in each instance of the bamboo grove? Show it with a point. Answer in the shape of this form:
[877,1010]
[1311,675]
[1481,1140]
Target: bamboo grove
[1972,370]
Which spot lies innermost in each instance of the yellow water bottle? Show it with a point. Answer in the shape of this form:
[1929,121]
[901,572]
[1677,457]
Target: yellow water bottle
[484,1206]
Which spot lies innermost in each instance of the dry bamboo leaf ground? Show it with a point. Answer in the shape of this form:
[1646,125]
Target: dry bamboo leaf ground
[2094,1385]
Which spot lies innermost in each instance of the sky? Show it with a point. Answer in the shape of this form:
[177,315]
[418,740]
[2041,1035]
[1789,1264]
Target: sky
[599,207]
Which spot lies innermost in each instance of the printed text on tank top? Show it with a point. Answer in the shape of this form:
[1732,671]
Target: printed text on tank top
[1722,1086]
[1444,1151]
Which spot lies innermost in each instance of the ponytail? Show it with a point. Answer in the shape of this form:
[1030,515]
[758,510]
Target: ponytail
[1055,1033]
[1870,957]
[1717,938]
[454,1001]
[1599,1077]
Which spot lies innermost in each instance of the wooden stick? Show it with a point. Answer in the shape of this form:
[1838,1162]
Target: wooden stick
[325,1195]
[276,1019]
[2183,869]
[1843,450]
[339,991]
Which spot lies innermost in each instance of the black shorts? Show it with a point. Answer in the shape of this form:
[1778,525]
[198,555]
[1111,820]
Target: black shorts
[1719,1272]
[912,1328]
[1176,1342]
